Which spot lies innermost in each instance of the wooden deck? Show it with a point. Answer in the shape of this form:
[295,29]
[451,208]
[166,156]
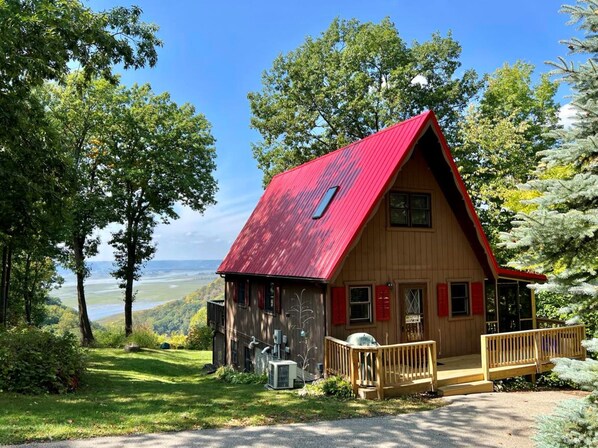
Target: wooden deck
[382,371]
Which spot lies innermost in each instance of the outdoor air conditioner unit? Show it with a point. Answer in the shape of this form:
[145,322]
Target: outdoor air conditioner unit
[282,374]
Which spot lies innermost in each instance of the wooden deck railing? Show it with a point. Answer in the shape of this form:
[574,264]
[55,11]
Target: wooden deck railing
[216,314]
[381,366]
[531,349]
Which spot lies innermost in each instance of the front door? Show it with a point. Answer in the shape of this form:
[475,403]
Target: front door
[411,305]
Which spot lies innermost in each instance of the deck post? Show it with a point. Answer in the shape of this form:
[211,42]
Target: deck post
[484,353]
[432,364]
[537,352]
[379,374]
[326,353]
[354,368]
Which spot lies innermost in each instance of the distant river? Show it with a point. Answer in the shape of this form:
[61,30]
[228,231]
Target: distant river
[161,282]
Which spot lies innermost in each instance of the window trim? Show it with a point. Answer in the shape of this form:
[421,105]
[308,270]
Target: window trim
[238,287]
[361,322]
[409,210]
[270,297]
[469,314]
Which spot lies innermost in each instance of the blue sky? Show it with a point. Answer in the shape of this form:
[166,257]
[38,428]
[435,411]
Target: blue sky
[215,52]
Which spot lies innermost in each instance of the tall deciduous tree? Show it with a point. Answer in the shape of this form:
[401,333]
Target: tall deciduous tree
[162,155]
[82,111]
[353,80]
[38,39]
[500,138]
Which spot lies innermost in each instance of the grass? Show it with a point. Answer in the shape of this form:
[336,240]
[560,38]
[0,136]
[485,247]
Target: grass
[155,391]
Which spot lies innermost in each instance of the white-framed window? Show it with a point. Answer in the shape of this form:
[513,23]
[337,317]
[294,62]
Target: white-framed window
[460,305]
[360,304]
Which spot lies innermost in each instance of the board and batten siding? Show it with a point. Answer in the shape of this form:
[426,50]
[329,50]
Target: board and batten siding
[439,254]
[243,322]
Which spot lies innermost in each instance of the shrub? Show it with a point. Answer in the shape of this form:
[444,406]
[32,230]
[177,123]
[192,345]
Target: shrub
[333,386]
[111,336]
[231,376]
[33,361]
[144,337]
[199,338]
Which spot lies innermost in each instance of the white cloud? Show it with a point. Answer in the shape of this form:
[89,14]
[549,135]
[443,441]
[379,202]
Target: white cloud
[197,236]
[419,79]
[567,115]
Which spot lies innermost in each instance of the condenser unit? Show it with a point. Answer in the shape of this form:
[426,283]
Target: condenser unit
[282,374]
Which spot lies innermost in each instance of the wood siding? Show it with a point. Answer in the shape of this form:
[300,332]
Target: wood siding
[440,254]
[244,322]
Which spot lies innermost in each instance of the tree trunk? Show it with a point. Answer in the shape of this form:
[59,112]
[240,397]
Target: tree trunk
[3,298]
[5,282]
[84,324]
[130,270]
[27,290]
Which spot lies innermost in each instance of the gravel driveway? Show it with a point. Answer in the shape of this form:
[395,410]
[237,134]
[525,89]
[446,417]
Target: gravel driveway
[482,420]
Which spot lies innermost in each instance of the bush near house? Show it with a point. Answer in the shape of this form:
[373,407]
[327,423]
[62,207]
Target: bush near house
[33,361]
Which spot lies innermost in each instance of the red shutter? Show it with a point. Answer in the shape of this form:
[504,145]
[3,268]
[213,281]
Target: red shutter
[339,306]
[233,291]
[261,296]
[382,302]
[442,299]
[247,292]
[277,304]
[477,298]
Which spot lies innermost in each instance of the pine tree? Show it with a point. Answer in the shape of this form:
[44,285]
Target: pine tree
[558,234]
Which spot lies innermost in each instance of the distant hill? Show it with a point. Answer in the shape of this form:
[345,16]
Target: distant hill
[174,316]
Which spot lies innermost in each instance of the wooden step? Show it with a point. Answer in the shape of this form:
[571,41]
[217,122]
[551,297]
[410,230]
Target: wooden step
[446,380]
[471,387]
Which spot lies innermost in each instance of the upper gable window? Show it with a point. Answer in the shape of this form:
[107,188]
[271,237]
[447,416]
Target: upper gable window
[410,209]
[324,203]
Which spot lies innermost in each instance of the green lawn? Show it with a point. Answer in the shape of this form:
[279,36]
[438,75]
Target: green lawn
[152,391]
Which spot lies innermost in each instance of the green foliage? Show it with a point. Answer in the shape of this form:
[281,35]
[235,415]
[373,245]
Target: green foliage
[34,361]
[43,37]
[229,375]
[574,423]
[499,141]
[160,154]
[518,383]
[333,386]
[559,234]
[178,316]
[111,336]
[144,337]
[199,337]
[353,80]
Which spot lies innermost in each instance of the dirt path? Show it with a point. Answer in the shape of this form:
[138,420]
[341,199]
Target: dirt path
[483,420]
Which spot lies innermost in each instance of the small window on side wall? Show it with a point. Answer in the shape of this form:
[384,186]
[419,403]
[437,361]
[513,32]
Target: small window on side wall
[460,299]
[269,299]
[241,293]
[360,304]
[410,209]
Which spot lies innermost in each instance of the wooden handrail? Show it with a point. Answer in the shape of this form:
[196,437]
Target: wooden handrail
[531,347]
[382,365]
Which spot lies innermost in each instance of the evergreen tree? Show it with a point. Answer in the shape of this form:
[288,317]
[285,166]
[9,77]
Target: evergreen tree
[558,234]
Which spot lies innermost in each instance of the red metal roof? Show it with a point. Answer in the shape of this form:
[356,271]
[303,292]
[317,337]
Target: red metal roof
[281,239]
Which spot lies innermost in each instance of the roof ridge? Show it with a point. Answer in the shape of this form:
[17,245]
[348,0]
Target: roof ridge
[381,131]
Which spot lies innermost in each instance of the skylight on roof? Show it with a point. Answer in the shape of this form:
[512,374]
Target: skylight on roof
[324,203]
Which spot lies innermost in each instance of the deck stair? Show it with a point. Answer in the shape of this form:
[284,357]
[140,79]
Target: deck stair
[470,387]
